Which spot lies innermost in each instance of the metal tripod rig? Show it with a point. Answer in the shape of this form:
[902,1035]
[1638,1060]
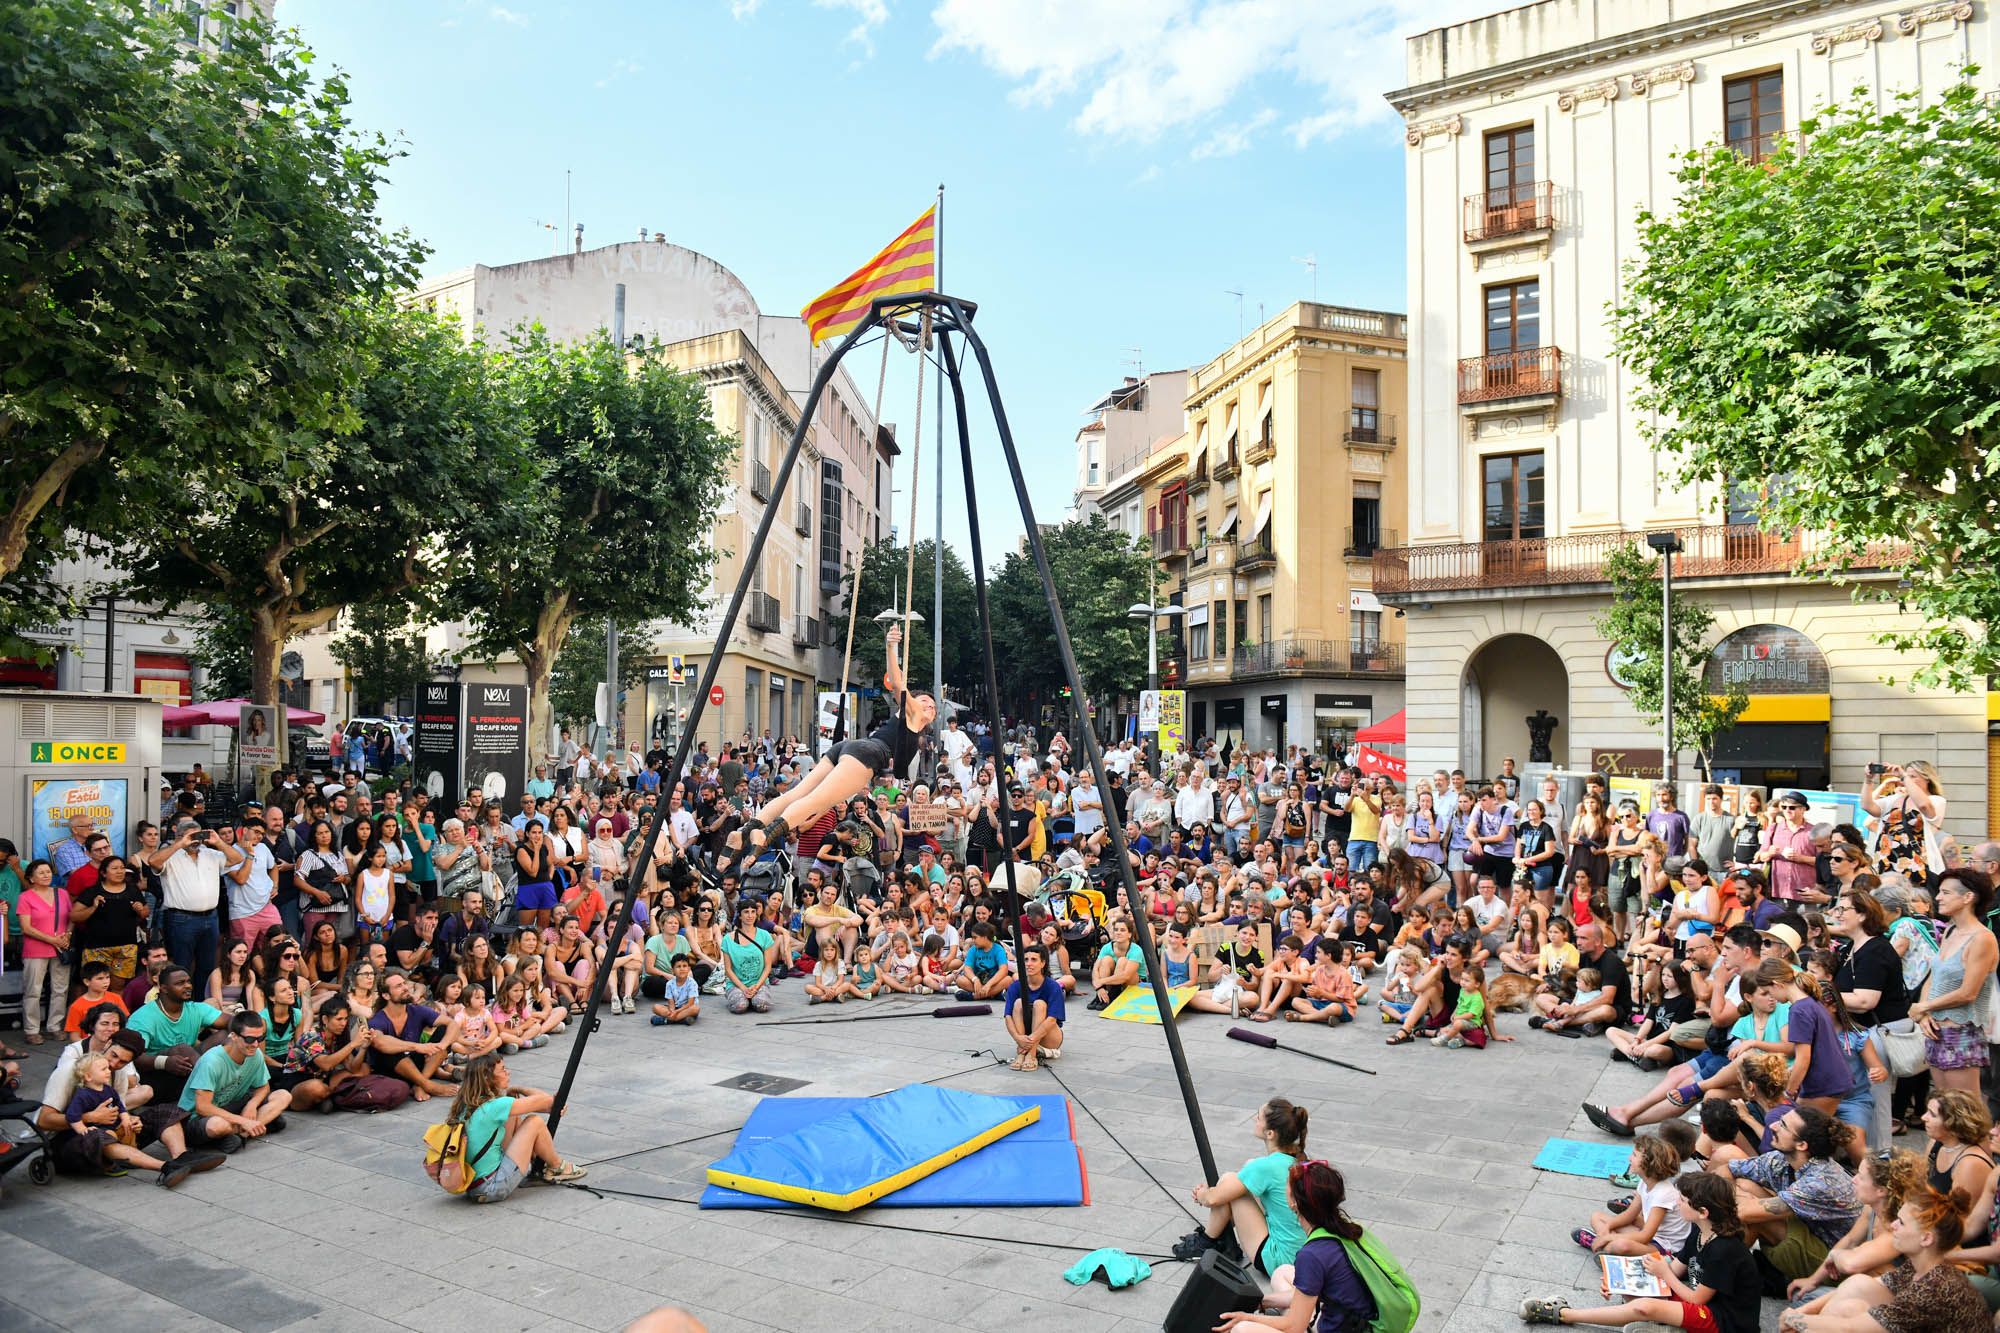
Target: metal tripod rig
[948,318]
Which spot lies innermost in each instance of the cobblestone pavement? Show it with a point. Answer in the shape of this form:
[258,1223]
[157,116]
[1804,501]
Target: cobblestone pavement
[334,1226]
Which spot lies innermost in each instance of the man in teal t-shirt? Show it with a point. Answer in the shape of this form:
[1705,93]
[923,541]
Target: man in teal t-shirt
[232,1082]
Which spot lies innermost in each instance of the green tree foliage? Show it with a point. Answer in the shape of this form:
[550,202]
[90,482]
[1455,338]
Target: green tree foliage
[627,469]
[376,512]
[1829,317]
[178,234]
[222,649]
[386,659]
[882,586]
[1100,574]
[580,669]
[1631,622]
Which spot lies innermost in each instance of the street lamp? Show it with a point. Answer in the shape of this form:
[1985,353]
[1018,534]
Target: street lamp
[1668,544]
[1151,614]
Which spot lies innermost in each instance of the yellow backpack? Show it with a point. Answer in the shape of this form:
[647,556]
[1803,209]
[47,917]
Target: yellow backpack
[445,1157]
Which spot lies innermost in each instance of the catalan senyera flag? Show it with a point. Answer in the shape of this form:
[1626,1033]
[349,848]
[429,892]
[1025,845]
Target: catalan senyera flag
[906,264]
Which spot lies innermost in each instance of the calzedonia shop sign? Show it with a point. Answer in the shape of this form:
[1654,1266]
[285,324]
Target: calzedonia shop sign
[76,752]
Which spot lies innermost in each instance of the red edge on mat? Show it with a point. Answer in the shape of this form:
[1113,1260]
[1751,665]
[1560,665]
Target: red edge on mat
[1083,1174]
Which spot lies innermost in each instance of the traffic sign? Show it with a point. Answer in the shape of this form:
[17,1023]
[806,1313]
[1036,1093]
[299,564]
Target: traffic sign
[715,696]
[676,670]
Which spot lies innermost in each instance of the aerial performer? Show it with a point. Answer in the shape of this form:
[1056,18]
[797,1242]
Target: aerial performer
[850,768]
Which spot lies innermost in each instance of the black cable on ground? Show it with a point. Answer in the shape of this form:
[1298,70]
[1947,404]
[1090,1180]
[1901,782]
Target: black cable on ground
[824,1216]
[1199,1221]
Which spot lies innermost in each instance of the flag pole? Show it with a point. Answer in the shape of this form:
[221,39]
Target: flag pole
[937,535]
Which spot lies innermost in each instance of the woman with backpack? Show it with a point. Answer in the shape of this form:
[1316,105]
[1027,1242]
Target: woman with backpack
[1327,1288]
[505,1132]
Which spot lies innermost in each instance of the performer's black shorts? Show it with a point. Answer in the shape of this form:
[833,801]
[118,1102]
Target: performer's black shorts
[870,752]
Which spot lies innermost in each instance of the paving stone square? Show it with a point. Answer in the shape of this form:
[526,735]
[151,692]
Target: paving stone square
[333,1225]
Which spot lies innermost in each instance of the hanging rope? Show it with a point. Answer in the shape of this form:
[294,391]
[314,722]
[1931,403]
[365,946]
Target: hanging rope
[916,471]
[854,596]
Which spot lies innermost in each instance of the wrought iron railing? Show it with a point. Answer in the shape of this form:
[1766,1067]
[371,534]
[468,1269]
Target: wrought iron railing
[1321,655]
[760,612]
[1257,550]
[1528,206]
[1526,372]
[760,481]
[1367,425]
[1713,550]
[1367,541]
[805,631]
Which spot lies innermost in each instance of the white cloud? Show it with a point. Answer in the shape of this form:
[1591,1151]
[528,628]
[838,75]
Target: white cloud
[1139,69]
[868,15]
[1229,140]
[506,15]
[743,9]
[619,69]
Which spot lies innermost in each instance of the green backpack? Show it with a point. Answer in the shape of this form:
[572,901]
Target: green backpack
[1396,1302]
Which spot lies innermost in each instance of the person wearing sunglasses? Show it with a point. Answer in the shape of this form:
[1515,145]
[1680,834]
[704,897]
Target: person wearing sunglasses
[1788,854]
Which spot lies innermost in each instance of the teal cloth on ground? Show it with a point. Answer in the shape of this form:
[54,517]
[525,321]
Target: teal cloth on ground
[1115,1266]
[1575,1157]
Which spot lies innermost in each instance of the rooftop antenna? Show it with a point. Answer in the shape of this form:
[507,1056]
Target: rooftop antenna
[1135,358]
[566,202]
[555,237]
[1311,261]
[1231,291]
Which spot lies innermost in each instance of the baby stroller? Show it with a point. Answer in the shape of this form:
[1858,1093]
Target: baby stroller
[31,1148]
[1078,911]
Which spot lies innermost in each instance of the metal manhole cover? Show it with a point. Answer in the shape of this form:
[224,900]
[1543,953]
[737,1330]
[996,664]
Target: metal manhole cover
[770,1084]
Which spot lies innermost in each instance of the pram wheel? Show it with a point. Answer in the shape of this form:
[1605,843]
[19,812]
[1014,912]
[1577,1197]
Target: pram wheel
[41,1170]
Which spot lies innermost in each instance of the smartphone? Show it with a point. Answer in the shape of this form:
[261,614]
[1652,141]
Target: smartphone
[1877,770]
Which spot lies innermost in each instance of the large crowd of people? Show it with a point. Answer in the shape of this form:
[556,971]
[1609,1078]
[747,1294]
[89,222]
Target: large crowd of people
[1810,996]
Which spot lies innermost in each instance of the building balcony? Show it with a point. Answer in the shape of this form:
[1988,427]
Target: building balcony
[1367,426]
[1261,448]
[805,632]
[1169,542]
[803,522]
[1316,656]
[1256,551]
[1198,480]
[1517,211]
[1510,377]
[760,612]
[1228,466]
[760,481]
[1709,551]
[1363,543]
[1198,555]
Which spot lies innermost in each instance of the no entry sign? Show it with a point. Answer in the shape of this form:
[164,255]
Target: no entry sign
[715,696]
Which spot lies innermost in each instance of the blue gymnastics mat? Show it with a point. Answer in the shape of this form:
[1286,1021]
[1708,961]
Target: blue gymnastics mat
[1037,1165]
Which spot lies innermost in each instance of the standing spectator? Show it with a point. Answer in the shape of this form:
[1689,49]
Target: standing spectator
[45,943]
[72,853]
[1959,992]
[253,886]
[96,847]
[107,918]
[1788,853]
[1712,831]
[191,884]
[1910,805]
[1668,822]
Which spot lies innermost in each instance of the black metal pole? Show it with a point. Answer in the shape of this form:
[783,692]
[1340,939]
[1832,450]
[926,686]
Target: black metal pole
[637,879]
[1002,762]
[1142,928]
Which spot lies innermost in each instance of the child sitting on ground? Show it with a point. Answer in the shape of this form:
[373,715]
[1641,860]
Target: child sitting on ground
[1651,1221]
[683,998]
[1400,991]
[478,1029]
[1469,1020]
[904,970]
[867,978]
[1329,993]
[1589,991]
[1350,960]
[829,983]
[986,971]
[935,976]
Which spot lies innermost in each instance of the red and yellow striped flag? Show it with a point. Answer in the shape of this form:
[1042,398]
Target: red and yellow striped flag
[906,264]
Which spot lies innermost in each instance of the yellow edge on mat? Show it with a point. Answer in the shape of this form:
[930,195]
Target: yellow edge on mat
[844,1203]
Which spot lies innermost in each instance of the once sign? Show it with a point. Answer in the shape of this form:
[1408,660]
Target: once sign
[76,752]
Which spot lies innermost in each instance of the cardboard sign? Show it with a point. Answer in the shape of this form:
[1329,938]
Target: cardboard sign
[929,818]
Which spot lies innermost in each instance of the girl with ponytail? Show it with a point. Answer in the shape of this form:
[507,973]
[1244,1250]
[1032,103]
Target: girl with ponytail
[1819,1077]
[1336,1298]
[1922,1291]
[1252,1199]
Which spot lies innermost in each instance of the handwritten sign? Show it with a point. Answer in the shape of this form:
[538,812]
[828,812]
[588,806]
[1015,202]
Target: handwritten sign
[929,818]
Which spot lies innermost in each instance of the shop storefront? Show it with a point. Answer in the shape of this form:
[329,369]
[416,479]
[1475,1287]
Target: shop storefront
[1781,739]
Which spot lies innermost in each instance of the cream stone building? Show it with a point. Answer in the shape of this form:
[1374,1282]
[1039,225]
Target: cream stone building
[690,310]
[1534,138]
[1264,517]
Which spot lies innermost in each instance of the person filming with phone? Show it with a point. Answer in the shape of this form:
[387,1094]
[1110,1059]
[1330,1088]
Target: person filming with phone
[191,869]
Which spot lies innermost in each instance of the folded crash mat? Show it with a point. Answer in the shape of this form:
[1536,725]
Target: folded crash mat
[916,1147]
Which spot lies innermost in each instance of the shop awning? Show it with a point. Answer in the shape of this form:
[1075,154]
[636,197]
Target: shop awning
[1391,730]
[227,713]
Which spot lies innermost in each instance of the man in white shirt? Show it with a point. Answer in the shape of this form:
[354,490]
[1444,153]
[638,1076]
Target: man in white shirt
[252,885]
[680,823]
[1236,818]
[1118,759]
[191,869]
[1086,807]
[1195,805]
[958,752]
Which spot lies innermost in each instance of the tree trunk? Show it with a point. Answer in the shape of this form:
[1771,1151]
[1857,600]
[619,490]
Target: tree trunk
[18,520]
[538,658]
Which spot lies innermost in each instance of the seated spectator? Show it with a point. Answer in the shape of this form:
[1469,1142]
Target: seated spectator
[1033,1011]
[1651,1221]
[681,997]
[323,1057]
[408,1042]
[986,972]
[175,1026]
[1119,964]
[1715,1291]
[82,1145]
[1796,1202]
[1282,981]
[748,955]
[1922,1291]
[1252,1201]
[1881,1183]
[570,961]
[506,1133]
[232,1083]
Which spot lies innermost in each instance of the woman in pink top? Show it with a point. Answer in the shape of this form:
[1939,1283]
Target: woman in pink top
[44,926]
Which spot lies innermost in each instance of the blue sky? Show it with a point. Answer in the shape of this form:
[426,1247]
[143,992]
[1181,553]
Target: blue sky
[1113,167]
